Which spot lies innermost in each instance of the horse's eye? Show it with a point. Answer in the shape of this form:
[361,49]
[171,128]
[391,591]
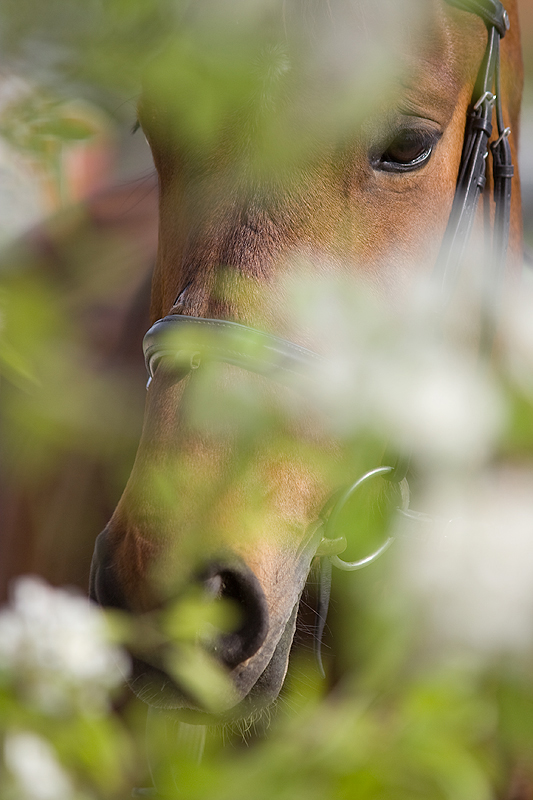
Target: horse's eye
[409,150]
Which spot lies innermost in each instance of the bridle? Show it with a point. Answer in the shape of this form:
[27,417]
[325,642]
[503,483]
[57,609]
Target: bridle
[472,172]
[229,342]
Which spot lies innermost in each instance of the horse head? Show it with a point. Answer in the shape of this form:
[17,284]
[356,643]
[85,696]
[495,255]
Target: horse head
[288,166]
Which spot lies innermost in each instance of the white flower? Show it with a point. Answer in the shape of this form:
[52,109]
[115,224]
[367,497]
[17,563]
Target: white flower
[435,403]
[34,766]
[56,644]
[517,336]
[393,372]
[473,572]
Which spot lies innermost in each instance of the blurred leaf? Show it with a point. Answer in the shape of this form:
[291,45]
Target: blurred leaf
[201,676]
[199,617]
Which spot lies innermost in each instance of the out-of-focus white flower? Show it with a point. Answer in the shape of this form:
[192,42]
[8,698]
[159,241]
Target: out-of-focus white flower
[434,403]
[35,768]
[56,645]
[392,372]
[473,571]
[517,336]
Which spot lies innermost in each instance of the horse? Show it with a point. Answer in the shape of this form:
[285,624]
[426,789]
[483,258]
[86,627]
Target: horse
[376,194]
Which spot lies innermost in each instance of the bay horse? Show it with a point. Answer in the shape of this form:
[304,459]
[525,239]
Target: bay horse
[377,196]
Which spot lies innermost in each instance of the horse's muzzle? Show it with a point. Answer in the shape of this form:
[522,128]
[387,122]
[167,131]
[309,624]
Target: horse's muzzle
[227,580]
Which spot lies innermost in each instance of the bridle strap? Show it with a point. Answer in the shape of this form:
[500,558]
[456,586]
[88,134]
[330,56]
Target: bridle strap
[502,173]
[471,178]
[471,182]
[472,173]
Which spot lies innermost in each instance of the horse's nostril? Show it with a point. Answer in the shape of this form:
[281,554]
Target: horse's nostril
[103,585]
[239,585]
[235,582]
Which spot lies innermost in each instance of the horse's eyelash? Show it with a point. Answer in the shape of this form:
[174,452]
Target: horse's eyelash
[135,127]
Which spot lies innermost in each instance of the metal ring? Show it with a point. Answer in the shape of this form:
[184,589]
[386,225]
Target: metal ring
[350,566]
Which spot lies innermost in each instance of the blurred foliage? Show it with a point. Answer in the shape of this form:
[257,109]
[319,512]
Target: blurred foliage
[51,389]
[402,726]
[102,46]
[34,123]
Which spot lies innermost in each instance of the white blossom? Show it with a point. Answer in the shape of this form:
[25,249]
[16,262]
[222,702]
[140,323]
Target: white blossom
[472,571]
[393,372]
[517,336]
[33,765]
[57,647]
